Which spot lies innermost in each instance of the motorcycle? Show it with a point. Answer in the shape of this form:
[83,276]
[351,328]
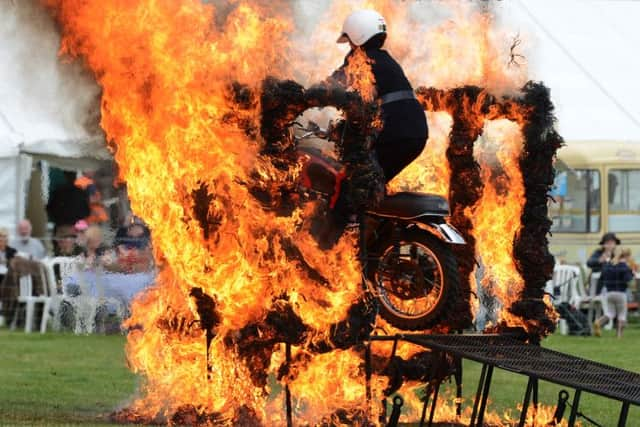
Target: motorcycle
[409,266]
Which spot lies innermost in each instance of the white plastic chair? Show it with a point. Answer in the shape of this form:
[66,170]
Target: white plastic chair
[579,295]
[67,266]
[566,287]
[564,284]
[27,298]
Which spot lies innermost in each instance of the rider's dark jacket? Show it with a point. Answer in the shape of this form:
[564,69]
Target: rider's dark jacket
[405,129]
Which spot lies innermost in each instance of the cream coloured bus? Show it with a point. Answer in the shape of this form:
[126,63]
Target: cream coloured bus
[597,190]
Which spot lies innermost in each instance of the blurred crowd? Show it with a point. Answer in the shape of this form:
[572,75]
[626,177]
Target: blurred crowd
[107,259]
[82,228]
[129,251]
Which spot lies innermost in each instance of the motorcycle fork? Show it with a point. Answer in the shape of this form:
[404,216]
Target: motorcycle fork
[395,238]
[363,254]
[362,245]
[375,229]
[371,229]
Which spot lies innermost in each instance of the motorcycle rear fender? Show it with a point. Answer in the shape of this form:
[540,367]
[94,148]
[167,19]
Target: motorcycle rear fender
[443,231]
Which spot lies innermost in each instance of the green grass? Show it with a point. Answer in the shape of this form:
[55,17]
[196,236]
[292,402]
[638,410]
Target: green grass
[67,380]
[61,379]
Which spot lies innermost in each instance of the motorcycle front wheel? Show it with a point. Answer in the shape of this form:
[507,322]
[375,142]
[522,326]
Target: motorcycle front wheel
[413,276]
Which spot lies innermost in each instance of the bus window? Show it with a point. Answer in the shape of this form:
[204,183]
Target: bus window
[577,202]
[624,200]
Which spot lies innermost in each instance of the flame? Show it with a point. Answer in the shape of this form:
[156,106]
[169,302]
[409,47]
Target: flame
[542,416]
[442,45]
[166,74]
[329,378]
[360,76]
[430,172]
[187,150]
[497,214]
[484,60]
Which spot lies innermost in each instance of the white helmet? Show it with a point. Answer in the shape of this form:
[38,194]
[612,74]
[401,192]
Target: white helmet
[361,25]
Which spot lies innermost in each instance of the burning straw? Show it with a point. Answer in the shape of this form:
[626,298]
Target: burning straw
[470,107]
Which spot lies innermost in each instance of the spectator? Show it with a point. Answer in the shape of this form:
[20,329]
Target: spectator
[65,243]
[602,256]
[6,253]
[633,265]
[81,237]
[97,212]
[95,252]
[68,203]
[605,253]
[139,235]
[9,288]
[133,247]
[26,244]
[615,278]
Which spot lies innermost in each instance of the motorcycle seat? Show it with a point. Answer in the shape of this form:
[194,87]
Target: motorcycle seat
[411,205]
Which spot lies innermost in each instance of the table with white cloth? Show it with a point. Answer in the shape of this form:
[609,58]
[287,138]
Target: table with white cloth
[108,285]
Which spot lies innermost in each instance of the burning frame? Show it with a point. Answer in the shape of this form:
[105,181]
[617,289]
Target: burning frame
[240,279]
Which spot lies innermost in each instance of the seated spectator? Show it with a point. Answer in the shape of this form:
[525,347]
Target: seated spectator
[139,234]
[6,253]
[65,242]
[133,248]
[602,256]
[10,286]
[615,278]
[81,229]
[95,254]
[132,225]
[25,244]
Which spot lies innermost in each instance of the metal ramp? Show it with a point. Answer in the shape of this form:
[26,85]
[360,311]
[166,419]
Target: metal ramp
[535,362]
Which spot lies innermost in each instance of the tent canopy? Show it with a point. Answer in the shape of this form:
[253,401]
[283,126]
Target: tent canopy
[44,141]
[21,145]
[85,153]
[48,108]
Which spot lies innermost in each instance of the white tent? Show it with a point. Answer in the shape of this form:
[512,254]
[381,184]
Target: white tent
[17,157]
[47,107]
[12,185]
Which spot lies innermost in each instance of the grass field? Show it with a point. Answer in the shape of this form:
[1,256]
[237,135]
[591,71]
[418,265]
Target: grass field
[67,380]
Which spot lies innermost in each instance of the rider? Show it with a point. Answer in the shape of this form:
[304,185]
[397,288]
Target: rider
[404,132]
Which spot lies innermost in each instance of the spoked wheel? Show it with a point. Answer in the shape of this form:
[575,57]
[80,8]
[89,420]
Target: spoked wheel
[412,279]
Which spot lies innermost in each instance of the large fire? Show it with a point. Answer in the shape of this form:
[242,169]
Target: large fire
[207,338]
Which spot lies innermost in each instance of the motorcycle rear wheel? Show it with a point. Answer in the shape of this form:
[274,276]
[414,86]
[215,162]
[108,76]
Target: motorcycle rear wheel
[413,276]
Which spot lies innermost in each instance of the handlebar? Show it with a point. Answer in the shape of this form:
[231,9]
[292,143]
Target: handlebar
[312,130]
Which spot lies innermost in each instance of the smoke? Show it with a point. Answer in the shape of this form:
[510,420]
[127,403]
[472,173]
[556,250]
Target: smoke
[443,44]
[440,44]
[41,97]
[48,98]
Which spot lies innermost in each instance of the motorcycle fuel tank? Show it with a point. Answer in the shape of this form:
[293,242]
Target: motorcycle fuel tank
[320,173]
